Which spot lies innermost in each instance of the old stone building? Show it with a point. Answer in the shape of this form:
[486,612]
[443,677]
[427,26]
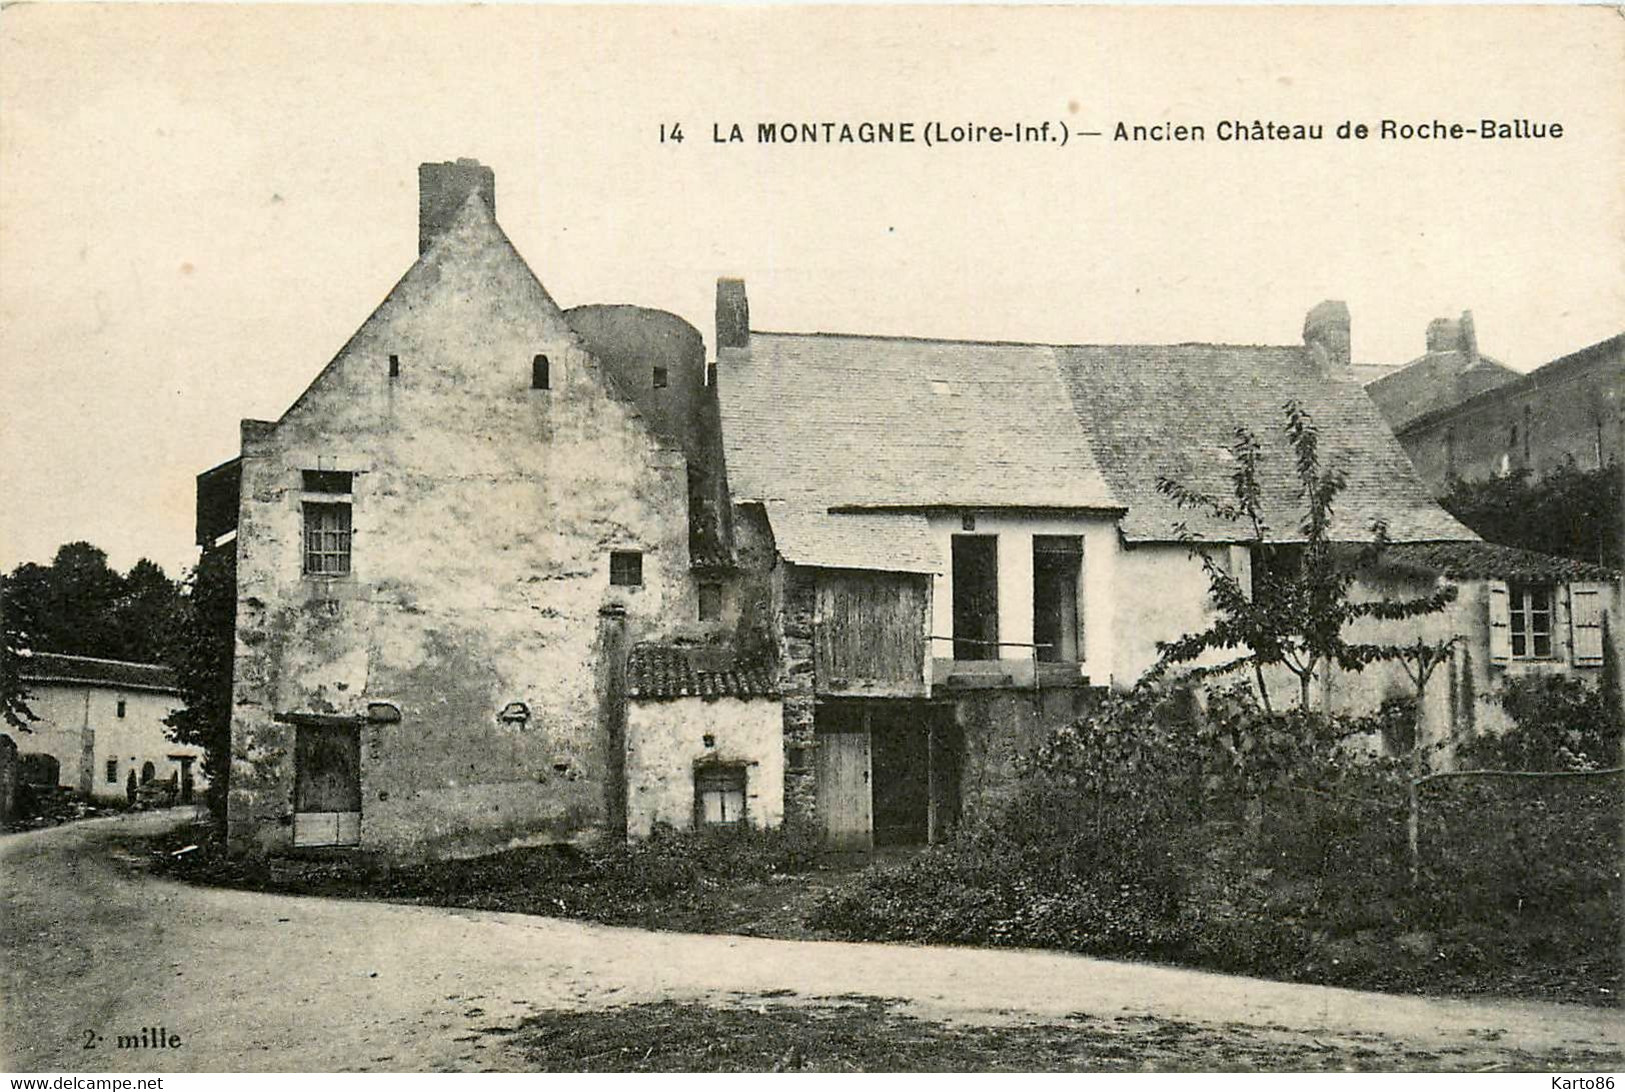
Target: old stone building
[511,574]
[1461,415]
[448,546]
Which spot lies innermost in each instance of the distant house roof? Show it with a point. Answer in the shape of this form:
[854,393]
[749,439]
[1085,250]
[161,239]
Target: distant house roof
[662,672]
[1489,561]
[822,421]
[1172,410]
[53,667]
[1435,381]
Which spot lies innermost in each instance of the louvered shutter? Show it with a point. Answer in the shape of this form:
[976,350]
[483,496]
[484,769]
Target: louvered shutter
[1500,623]
[1585,623]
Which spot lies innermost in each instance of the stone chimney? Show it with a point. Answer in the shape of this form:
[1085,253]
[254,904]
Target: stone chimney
[1326,335]
[1454,336]
[733,314]
[443,189]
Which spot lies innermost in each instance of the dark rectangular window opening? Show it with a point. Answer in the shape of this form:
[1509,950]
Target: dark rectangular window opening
[121,708]
[1530,607]
[976,597]
[660,376]
[112,771]
[328,481]
[540,380]
[710,601]
[1274,566]
[1057,567]
[719,796]
[394,366]
[327,539]
[625,568]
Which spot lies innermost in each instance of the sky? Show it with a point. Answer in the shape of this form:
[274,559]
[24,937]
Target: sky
[199,205]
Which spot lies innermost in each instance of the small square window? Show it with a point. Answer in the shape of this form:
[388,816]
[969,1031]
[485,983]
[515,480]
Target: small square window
[626,568]
[710,601]
[660,376]
[112,771]
[540,379]
[121,708]
[719,796]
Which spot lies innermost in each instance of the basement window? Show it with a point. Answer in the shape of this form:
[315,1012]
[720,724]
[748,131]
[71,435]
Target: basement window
[626,568]
[540,380]
[719,796]
[660,376]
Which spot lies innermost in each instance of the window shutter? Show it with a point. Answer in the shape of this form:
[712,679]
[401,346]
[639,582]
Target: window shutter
[1585,623]
[1500,623]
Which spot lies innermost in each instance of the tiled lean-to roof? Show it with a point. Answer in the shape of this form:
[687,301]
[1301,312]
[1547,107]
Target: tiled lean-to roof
[659,672]
[1489,561]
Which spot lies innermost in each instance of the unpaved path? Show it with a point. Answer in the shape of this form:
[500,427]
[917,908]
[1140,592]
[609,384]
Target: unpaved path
[92,945]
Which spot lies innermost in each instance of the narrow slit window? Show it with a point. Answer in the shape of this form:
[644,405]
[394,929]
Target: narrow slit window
[625,568]
[541,378]
[121,708]
[394,366]
[660,376]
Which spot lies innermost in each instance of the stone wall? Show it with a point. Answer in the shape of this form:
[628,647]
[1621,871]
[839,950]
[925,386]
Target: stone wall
[484,514]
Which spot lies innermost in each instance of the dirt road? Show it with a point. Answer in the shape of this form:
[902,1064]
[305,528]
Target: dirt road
[93,949]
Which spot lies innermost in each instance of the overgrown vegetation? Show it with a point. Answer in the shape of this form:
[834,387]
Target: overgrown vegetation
[201,651]
[1567,511]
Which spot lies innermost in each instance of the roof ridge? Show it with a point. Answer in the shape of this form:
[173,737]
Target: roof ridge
[32,654]
[1005,343]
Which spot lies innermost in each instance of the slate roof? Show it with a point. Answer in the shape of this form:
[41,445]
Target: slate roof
[1487,560]
[661,672]
[1173,410]
[812,422]
[54,667]
[1432,382]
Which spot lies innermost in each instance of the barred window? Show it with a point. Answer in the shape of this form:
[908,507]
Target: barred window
[327,539]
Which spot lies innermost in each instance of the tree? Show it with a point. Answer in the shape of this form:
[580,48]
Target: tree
[1295,614]
[202,656]
[1568,511]
[13,640]
[79,606]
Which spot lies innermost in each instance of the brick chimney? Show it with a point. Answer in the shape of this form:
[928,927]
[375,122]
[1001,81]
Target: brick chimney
[1326,336]
[443,189]
[733,314]
[1454,336]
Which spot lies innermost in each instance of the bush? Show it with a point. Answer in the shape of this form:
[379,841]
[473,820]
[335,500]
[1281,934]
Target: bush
[1559,723]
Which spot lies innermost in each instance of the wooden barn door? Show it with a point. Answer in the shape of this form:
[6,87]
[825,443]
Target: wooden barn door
[844,801]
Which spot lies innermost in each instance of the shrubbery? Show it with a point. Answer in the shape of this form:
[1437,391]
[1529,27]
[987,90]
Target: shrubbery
[1559,723]
[1246,841]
